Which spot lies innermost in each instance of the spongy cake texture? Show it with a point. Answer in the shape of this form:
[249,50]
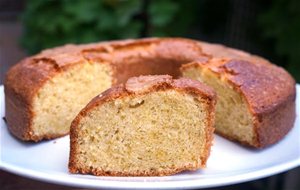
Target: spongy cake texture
[151,126]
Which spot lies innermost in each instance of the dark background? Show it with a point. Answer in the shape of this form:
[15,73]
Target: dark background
[267,28]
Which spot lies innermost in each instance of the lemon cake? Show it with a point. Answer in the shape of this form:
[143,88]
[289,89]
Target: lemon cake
[150,126]
[44,93]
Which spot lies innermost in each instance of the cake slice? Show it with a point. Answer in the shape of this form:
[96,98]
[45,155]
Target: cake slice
[150,126]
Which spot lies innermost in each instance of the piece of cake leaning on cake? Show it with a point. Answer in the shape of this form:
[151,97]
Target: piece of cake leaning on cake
[151,126]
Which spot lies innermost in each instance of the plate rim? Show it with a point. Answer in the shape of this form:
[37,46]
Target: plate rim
[190,183]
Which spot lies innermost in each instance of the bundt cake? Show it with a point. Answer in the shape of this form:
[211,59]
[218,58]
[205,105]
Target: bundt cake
[44,93]
[151,125]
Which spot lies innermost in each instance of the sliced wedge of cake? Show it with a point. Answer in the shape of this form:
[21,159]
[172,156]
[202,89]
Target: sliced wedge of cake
[150,126]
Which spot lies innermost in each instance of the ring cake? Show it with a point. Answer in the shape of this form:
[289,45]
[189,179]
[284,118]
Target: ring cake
[45,92]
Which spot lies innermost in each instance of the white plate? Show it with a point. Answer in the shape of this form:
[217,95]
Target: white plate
[229,163]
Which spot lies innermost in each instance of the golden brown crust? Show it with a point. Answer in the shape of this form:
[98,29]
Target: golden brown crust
[19,97]
[221,51]
[99,172]
[155,56]
[21,85]
[17,114]
[273,125]
[143,85]
[274,106]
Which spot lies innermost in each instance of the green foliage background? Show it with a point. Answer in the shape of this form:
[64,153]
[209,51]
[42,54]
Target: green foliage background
[281,24]
[50,23]
[275,31]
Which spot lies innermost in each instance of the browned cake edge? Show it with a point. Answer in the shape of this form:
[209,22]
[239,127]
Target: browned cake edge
[156,83]
[20,86]
[269,91]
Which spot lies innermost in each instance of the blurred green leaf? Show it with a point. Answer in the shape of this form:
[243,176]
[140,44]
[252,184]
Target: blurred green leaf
[127,10]
[282,24]
[50,23]
[162,12]
[133,31]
